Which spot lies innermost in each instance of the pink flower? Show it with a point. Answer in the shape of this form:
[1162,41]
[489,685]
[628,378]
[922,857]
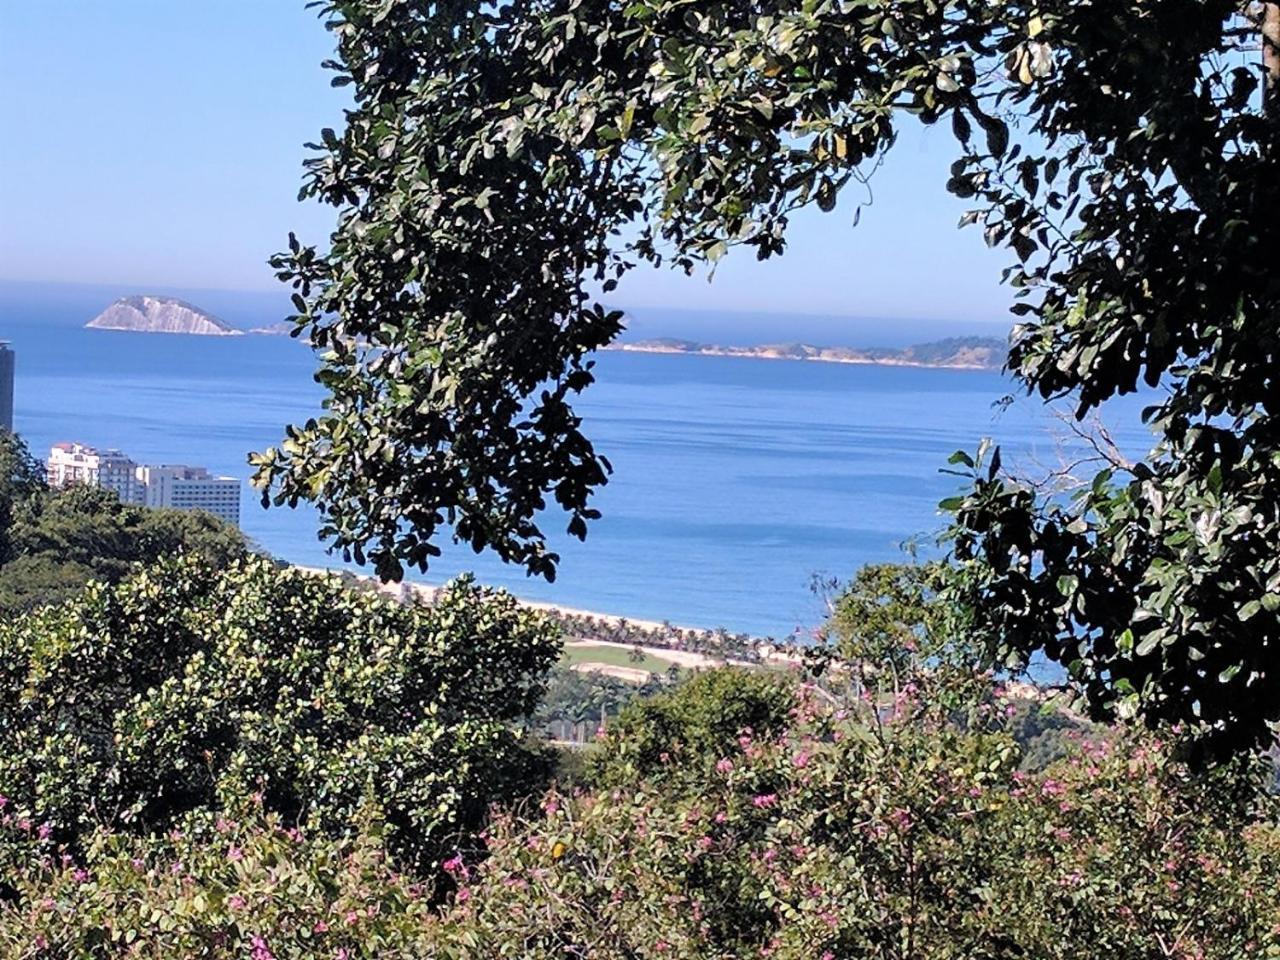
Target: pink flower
[454,865]
[801,759]
[901,818]
[764,801]
[44,832]
[724,765]
[236,902]
[260,950]
[235,854]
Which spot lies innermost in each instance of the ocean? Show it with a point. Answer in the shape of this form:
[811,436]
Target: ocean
[737,482]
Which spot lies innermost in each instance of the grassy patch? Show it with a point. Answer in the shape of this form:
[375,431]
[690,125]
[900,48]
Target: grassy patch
[613,657]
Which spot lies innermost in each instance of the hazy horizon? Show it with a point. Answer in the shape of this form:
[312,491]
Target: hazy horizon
[74,304]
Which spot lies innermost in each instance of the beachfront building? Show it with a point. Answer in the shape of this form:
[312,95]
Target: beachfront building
[72,463]
[191,488]
[176,486]
[6,386]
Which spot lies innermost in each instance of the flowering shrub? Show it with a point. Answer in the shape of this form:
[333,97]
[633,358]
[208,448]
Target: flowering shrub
[189,689]
[843,837]
[682,733]
[837,836]
[218,888]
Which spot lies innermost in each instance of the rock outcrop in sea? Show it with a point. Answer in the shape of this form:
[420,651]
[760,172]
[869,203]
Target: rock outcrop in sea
[146,314]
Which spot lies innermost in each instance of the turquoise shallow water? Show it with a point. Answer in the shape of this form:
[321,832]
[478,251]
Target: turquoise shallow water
[737,481]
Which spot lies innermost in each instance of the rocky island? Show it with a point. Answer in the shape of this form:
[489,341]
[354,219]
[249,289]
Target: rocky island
[957,353]
[146,314]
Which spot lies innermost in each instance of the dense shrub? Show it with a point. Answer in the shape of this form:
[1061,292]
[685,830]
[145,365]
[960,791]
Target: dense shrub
[258,890]
[186,688]
[844,833]
[846,838]
[681,733]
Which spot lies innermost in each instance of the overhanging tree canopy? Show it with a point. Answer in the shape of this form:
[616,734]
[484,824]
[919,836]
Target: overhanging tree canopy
[505,164]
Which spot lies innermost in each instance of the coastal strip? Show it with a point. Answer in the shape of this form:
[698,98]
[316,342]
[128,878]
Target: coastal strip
[680,646]
[954,353]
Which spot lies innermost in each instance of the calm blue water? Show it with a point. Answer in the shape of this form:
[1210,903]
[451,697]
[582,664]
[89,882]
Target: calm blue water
[736,480]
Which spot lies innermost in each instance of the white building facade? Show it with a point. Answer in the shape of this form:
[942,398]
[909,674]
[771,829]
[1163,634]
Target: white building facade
[191,488]
[176,486]
[71,463]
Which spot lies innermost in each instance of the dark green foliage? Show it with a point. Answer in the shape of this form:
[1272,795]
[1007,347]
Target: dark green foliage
[680,734]
[1047,734]
[576,703]
[502,162]
[21,479]
[185,688]
[1145,217]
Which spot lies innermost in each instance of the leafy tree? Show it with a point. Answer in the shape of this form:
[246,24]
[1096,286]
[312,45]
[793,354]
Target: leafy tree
[21,478]
[186,688]
[680,733]
[61,539]
[504,166]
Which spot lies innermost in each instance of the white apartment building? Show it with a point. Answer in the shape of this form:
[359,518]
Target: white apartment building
[71,463]
[177,486]
[191,488]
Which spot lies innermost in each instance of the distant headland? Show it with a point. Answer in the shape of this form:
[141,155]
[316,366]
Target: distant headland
[958,353]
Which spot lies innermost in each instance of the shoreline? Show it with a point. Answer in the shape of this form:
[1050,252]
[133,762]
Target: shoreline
[745,354]
[427,591]
[407,589]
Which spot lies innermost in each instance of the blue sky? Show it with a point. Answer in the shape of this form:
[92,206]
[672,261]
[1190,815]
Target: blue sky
[157,144]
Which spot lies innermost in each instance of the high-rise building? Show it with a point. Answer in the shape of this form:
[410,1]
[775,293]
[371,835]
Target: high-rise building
[190,488]
[71,463]
[6,386]
[177,486]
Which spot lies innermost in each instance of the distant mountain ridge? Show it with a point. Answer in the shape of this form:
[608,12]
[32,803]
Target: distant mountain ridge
[148,314]
[959,353]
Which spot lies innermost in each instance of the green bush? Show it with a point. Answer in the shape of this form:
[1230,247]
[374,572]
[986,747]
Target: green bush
[187,688]
[219,889]
[679,734]
[845,832]
[845,837]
